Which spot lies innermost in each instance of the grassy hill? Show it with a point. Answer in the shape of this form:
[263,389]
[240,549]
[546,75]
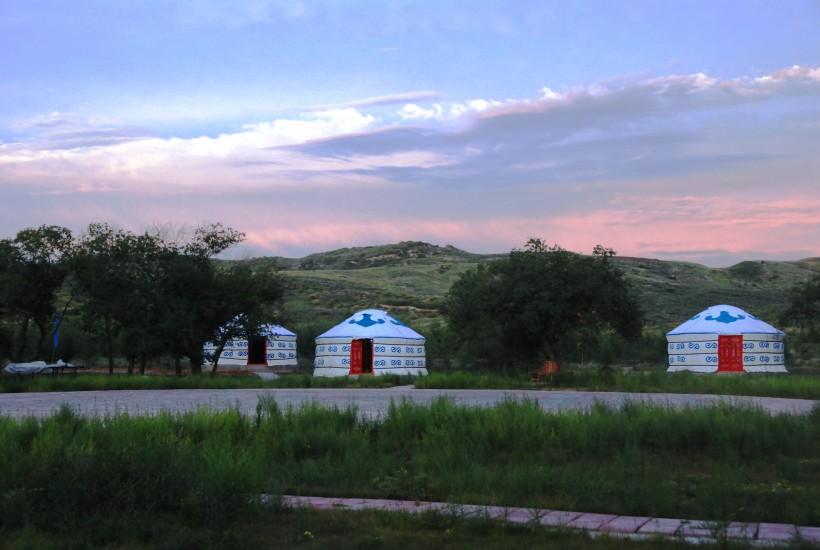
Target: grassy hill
[411,278]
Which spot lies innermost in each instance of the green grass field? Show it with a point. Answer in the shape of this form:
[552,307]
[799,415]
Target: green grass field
[789,386]
[192,479]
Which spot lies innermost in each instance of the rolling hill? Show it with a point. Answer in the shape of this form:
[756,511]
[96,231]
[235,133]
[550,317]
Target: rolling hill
[411,279]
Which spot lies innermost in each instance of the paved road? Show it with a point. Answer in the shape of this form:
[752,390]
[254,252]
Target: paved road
[369,402]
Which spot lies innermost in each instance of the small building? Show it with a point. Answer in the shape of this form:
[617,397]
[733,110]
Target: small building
[371,342]
[725,338]
[273,350]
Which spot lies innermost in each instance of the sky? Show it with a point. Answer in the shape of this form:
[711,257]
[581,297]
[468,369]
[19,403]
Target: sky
[677,130]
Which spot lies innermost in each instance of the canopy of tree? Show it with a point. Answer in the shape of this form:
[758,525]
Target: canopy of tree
[804,306]
[136,296]
[539,302]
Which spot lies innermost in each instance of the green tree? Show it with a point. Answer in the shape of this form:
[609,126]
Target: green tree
[804,306]
[162,293]
[116,276]
[241,301]
[32,271]
[539,303]
[202,298]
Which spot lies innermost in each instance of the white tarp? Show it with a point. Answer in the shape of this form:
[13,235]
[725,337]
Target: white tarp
[35,367]
[693,345]
[397,349]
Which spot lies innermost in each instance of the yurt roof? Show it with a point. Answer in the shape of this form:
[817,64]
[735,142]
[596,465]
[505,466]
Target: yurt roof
[724,319]
[372,323]
[275,330]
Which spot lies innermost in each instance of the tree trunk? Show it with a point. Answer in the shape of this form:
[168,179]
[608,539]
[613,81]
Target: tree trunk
[22,341]
[218,354]
[109,345]
[143,363]
[196,362]
[40,349]
[177,366]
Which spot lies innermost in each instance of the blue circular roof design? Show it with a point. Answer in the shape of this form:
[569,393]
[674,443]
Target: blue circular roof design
[724,319]
[371,323]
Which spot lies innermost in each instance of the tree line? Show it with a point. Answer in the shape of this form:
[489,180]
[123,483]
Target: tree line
[136,296]
[161,293]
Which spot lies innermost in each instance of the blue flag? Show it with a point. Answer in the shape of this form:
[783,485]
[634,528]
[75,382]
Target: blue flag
[56,330]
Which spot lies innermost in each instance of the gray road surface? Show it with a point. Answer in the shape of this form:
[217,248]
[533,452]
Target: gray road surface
[369,402]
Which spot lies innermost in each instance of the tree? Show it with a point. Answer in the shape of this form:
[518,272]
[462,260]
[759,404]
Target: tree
[203,299]
[32,271]
[242,300]
[162,293]
[804,306]
[114,275]
[539,302]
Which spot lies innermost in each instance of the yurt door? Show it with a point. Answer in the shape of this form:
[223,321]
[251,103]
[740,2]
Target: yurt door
[730,353]
[257,350]
[361,356]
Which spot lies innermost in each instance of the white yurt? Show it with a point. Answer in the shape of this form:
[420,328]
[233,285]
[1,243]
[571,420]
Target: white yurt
[274,349]
[370,342]
[726,339]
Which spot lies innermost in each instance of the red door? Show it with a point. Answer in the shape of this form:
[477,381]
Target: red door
[730,353]
[356,357]
[361,356]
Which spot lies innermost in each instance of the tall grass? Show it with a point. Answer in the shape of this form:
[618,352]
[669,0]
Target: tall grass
[789,386]
[125,475]
[104,382]
[771,385]
[474,380]
[201,470]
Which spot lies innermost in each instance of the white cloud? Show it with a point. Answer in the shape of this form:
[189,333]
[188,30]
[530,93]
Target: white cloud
[317,125]
[443,112]
[640,130]
[411,111]
[548,93]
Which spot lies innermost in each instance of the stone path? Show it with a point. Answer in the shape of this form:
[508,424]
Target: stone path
[369,402]
[761,534]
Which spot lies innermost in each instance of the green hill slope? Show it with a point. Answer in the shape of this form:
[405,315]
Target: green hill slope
[411,279]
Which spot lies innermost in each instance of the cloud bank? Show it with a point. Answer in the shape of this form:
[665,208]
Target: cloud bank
[679,167]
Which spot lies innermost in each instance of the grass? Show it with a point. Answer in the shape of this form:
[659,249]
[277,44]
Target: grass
[786,386]
[337,283]
[340,530]
[105,382]
[194,476]
[656,381]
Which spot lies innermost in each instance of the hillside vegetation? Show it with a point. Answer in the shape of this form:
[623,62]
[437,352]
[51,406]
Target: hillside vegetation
[410,279]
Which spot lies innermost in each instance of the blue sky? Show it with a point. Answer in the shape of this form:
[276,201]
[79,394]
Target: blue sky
[678,130]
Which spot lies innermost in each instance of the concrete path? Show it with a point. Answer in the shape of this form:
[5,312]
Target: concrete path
[762,534]
[369,402]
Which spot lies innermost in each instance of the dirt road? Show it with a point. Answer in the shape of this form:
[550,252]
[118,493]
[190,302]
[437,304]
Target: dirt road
[369,402]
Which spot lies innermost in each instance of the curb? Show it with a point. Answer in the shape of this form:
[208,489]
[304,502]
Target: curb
[759,534]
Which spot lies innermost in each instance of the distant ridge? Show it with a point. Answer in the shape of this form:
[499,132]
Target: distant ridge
[401,253]
[412,277]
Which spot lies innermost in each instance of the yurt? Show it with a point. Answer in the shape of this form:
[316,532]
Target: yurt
[371,342]
[726,339]
[274,349]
